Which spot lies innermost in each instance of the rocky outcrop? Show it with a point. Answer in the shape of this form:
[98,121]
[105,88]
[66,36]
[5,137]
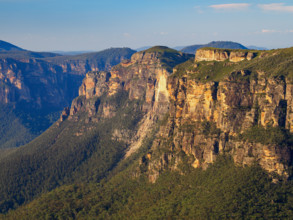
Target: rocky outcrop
[205,118]
[207,54]
[51,80]
[38,85]
[143,77]
[208,119]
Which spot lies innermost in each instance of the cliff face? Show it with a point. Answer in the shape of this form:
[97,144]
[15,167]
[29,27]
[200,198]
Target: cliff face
[52,80]
[208,118]
[36,82]
[222,55]
[144,78]
[174,119]
[205,109]
[36,88]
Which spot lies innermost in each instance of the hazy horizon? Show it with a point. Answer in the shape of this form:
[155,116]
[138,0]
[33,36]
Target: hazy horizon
[90,25]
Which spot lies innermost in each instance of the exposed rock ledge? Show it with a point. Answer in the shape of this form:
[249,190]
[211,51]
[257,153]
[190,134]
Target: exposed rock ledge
[211,54]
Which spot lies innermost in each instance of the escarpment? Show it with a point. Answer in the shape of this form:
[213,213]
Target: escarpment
[162,111]
[58,77]
[35,82]
[35,87]
[205,109]
[246,113]
[143,78]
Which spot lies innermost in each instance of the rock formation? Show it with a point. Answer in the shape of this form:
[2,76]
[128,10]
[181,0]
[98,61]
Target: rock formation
[207,54]
[205,117]
[144,77]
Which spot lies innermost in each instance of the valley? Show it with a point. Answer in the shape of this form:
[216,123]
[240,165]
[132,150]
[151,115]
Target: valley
[163,134]
[36,86]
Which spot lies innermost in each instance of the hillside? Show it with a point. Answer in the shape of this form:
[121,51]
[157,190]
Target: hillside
[35,87]
[102,60]
[215,44]
[91,137]
[165,135]
[5,46]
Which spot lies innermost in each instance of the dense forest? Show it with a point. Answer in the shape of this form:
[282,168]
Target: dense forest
[223,191]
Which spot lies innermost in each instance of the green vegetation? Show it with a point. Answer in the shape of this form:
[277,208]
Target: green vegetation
[9,124]
[21,121]
[223,191]
[270,135]
[205,71]
[159,49]
[169,57]
[274,63]
[77,170]
[74,151]
[49,86]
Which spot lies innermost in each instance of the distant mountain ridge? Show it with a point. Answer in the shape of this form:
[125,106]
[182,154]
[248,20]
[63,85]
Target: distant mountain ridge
[216,44]
[252,47]
[5,46]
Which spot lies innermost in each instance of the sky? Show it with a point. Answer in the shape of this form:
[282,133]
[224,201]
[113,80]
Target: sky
[75,25]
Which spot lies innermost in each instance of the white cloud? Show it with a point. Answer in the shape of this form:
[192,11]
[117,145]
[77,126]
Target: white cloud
[270,31]
[281,7]
[266,31]
[236,6]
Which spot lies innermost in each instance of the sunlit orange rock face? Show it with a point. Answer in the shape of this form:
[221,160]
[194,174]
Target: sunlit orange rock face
[201,119]
[222,55]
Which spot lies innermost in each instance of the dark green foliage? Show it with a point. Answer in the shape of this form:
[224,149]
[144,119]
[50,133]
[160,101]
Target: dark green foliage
[160,49]
[275,63]
[73,151]
[223,191]
[169,57]
[215,44]
[206,70]
[9,124]
[270,135]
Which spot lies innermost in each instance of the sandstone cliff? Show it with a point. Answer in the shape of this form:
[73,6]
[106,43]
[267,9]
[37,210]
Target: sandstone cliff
[207,54]
[144,78]
[37,85]
[241,109]
[208,118]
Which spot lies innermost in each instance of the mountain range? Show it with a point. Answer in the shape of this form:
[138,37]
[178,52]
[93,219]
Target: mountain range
[36,86]
[162,134]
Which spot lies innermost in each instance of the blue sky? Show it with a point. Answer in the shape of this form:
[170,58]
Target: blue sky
[47,25]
